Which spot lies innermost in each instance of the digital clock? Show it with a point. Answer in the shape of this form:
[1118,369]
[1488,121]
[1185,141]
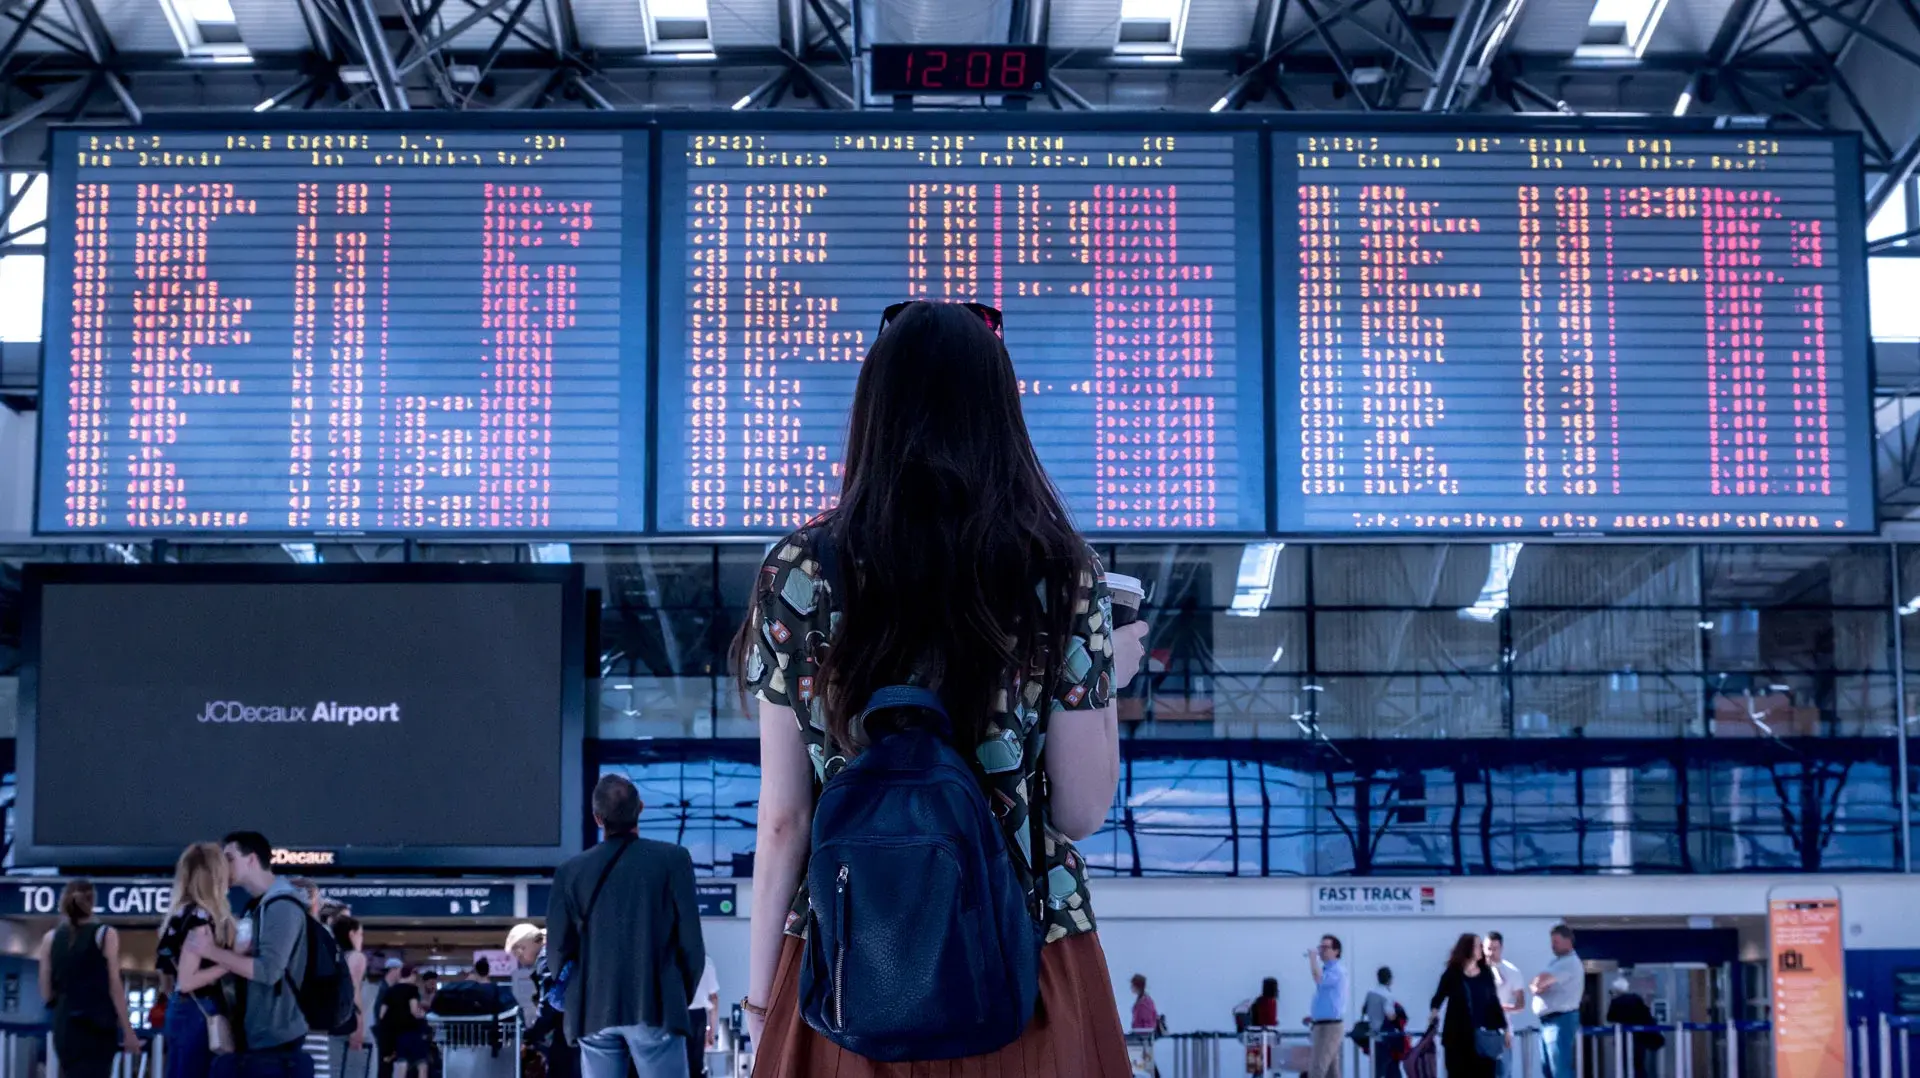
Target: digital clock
[958,69]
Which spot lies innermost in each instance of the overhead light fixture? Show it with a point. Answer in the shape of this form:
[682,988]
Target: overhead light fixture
[1369,76]
[1220,105]
[1151,27]
[1159,58]
[707,54]
[267,105]
[206,29]
[1910,607]
[743,103]
[1684,103]
[1253,584]
[680,27]
[1620,28]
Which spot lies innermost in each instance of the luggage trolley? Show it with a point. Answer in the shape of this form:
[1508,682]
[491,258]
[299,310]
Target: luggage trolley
[483,1046]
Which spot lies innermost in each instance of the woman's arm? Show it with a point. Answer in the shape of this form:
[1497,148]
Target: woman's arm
[129,1042]
[44,956]
[196,974]
[1083,748]
[782,839]
[357,969]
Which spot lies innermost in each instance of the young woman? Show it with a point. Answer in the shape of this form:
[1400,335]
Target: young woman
[1473,1007]
[80,980]
[347,1050]
[961,571]
[200,883]
[1265,1013]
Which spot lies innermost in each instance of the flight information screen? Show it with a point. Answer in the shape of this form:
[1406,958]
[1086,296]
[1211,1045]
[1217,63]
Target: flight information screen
[345,331]
[1599,333]
[1127,266]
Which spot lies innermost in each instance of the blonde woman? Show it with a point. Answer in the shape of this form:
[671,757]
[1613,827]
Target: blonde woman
[199,902]
[528,945]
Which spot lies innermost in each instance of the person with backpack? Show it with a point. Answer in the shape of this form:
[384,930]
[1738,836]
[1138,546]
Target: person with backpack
[80,980]
[295,978]
[625,915]
[935,661]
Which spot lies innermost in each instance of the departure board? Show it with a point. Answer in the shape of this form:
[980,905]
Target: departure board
[1127,266]
[1590,333]
[345,330]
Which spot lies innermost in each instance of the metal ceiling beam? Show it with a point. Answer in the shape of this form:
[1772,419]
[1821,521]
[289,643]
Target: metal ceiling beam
[439,41]
[40,108]
[1490,49]
[1467,27]
[374,52]
[1837,79]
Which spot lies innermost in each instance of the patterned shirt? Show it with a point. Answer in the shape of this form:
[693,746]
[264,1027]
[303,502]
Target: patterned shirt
[794,620]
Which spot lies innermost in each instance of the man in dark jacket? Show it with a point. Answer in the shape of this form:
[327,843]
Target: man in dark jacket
[624,912]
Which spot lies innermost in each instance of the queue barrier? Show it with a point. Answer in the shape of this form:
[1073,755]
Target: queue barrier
[1884,1047]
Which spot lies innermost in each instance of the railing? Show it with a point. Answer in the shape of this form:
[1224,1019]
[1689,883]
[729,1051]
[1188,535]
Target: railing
[1884,1047]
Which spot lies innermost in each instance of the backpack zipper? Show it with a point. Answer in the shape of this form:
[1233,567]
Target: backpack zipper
[840,954]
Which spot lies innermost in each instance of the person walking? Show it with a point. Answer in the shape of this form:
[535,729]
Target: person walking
[1629,1008]
[703,1019]
[80,981]
[1476,1032]
[404,1030]
[200,886]
[273,1028]
[1557,994]
[347,1046]
[1512,986]
[545,1031]
[625,911]
[1327,1016]
[960,575]
[1386,1025]
[1146,1016]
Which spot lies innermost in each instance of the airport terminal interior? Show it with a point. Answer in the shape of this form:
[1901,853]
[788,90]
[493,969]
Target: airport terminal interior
[1504,414]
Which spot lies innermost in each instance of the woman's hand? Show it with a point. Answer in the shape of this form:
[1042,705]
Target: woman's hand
[1129,653]
[129,1042]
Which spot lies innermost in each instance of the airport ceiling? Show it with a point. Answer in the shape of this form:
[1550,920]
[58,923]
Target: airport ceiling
[1803,63]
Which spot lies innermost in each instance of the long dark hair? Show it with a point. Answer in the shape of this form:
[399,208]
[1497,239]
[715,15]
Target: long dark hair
[955,554]
[1463,949]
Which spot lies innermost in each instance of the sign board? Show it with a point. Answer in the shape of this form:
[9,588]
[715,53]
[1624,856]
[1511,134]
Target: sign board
[1906,991]
[421,900]
[717,899]
[1376,899]
[126,898]
[499,963]
[1809,988]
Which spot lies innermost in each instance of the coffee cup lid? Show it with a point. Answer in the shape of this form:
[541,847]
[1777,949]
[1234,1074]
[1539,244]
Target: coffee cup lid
[1123,582]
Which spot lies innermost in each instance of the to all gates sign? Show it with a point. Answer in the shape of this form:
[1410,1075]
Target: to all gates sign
[1809,988]
[1376,900]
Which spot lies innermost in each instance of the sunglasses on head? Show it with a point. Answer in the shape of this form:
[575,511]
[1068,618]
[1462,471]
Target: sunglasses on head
[989,315]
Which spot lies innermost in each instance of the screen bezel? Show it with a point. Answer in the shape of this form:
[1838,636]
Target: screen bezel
[1850,218]
[571,704]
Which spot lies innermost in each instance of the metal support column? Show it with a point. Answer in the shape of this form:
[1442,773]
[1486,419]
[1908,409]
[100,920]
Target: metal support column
[1903,782]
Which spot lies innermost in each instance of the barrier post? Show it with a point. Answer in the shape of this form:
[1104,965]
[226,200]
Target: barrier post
[1733,1049]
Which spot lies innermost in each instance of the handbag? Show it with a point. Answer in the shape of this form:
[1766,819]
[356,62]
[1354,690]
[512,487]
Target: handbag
[1490,1043]
[219,1027]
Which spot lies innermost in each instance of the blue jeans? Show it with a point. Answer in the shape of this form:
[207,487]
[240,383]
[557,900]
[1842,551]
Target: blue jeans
[656,1053]
[1560,1036]
[186,1038]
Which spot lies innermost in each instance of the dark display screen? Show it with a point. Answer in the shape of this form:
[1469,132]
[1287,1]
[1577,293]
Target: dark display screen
[1598,333]
[1127,266]
[354,712]
[343,332]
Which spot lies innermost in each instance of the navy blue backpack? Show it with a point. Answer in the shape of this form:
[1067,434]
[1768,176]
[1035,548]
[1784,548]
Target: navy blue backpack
[921,941]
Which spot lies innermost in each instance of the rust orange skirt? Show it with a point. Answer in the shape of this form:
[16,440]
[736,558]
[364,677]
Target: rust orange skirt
[1075,1032]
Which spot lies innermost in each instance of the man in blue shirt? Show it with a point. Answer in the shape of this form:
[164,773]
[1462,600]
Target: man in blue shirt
[1328,1018]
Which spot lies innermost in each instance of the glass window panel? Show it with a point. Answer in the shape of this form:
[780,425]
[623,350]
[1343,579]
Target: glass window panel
[1798,574]
[22,279]
[1550,574]
[1176,819]
[1273,642]
[633,708]
[1248,706]
[1393,641]
[1798,639]
[1204,576]
[1432,706]
[1624,704]
[1410,574]
[1777,704]
[1658,641]
[1892,282]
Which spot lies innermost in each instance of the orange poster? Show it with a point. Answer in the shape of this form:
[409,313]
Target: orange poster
[1809,988]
